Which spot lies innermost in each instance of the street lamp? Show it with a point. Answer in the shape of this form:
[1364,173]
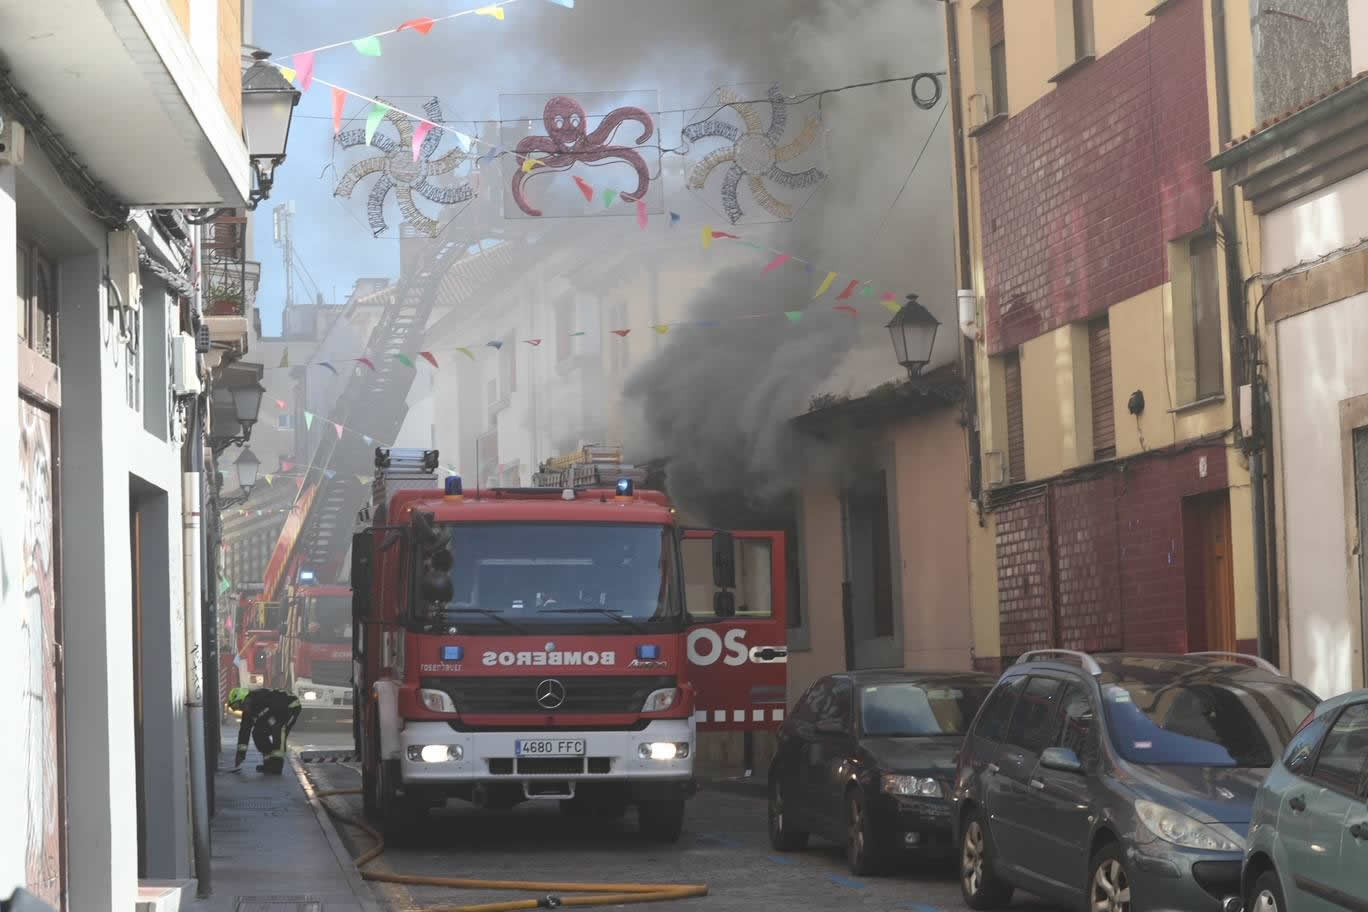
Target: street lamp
[268,103]
[247,466]
[246,404]
[913,330]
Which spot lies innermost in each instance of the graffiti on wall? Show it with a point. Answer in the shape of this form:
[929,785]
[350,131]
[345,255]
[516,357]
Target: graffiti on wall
[38,631]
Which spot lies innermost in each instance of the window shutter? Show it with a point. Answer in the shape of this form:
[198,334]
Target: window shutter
[1100,373]
[996,31]
[1016,431]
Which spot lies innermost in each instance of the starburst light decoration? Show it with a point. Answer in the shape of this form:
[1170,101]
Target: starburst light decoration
[401,175]
[756,152]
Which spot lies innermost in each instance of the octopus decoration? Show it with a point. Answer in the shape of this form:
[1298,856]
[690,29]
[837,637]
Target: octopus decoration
[402,175]
[755,154]
[568,142]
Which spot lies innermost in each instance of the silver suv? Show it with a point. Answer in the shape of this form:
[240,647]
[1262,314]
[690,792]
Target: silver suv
[1121,781]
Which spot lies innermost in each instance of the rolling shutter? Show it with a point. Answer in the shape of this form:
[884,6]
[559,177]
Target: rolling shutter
[1016,432]
[1100,372]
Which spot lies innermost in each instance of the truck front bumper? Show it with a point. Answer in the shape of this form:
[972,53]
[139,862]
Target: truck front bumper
[491,758]
[315,698]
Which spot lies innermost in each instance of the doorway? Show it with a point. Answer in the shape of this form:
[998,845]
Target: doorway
[868,590]
[1209,573]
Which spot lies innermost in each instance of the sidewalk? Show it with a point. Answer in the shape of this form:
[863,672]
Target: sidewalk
[274,849]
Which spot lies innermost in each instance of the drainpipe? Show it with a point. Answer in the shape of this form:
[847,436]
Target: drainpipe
[1245,363]
[194,675]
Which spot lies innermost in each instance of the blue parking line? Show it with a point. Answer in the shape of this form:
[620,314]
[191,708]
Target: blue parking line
[780,859]
[723,841]
[920,907]
[847,882]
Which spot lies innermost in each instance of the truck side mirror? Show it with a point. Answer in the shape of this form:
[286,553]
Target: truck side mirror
[724,604]
[723,560]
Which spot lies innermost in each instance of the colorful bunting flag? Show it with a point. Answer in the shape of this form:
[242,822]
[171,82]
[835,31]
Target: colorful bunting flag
[288,72]
[493,11]
[339,100]
[420,131]
[224,585]
[462,140]
[775,263]
[405,360]
[368,439]
[725,234]
[793,315]
[377,114]
[568,4]
[534,342]
[642,218]
[285,464]
[338,428]
[674,219]
[467,352]
[529,163]
[366,361]
[867,291]
[580,333]
[328,366]
[585,188]
[608,196]
[496,345]
[280,403]
[826,285]
[429,357]
[270,479]
[329,474]
[707,237]
[363,479]
[661,328]
[308,420]
[849,290]
[890,301]
[367,47]
[304,64]
[621,332]
[422,25]
[847,309]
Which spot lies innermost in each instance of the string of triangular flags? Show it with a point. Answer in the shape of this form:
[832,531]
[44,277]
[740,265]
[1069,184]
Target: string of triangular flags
[369,45]
[850,293]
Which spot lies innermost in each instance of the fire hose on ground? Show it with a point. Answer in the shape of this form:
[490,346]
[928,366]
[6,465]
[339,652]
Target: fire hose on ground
[597,894]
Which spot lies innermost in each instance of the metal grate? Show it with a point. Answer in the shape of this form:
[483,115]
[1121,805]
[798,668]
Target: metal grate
[611,694]
[551,766]
[299,903]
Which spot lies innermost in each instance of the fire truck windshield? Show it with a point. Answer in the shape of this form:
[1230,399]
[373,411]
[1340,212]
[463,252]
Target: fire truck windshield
[327,618]
[556,576]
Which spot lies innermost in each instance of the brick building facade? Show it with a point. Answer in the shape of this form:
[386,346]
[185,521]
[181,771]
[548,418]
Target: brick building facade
[1087,191]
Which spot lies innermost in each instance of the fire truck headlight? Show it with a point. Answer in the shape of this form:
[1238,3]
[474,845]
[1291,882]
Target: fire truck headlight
[437,700]
[661,700]
[309,695]
[435,753]
[663,750]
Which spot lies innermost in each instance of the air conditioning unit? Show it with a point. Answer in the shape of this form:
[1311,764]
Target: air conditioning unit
[11,142]
[185,379]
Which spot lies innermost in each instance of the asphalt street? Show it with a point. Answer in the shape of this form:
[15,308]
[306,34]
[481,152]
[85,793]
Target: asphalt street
[724,845]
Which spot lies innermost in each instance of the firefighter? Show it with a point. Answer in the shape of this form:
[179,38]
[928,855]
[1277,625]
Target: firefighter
[267,715]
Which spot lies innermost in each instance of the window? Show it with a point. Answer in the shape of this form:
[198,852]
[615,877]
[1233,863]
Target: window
[869,559]
[1100,377]
[1340,763]
[1082,29]
[805,712]
[36,300]
[997,57]
[1016,430]
[1206,315]
[1302,747]
[285,421]
[903,709]
[993,721]
[838,708]
[1077,724]
[1032,723]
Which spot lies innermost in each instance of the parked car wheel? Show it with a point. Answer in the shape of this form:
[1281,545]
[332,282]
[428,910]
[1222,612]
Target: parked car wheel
[1109,887]
[981,887]
[862,846]
[783,837]
[1266,895]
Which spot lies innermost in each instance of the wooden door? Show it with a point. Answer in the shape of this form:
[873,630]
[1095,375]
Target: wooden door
[1211,579]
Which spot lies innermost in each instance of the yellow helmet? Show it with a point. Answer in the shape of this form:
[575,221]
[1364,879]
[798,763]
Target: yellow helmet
[236,697]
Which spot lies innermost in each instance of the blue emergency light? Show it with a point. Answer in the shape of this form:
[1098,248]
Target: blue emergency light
[452,653]
[453,486]
[624,487]
[306,576]
[648,652]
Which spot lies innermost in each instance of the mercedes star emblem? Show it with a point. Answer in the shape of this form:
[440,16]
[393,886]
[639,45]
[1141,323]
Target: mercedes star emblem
[550,694]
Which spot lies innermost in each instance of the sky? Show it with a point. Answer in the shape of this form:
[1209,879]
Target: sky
[678,50]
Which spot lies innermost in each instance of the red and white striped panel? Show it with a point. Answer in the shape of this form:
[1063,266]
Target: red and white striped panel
[735,715]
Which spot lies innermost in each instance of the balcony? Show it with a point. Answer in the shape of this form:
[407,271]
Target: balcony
[119,83]
[230,283]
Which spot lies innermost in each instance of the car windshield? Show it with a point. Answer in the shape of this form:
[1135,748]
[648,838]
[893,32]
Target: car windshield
[1203,721]
[558,574]
[902,709]
[327,618]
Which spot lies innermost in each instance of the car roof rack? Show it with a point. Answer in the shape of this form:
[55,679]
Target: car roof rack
[1258,661]
[1088,662]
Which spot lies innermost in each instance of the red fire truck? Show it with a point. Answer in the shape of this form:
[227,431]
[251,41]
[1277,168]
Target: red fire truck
[255,639]
[551,643]
[316,653]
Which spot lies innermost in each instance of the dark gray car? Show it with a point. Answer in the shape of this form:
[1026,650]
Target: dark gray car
[1121,782]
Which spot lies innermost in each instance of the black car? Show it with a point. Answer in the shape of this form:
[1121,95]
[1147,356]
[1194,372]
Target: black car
[1120,782]
[867,759]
